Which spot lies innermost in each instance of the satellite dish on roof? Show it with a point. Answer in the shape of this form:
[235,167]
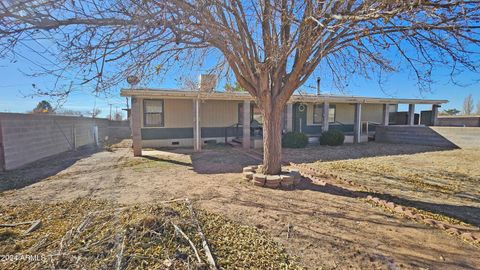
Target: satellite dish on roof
[133,80]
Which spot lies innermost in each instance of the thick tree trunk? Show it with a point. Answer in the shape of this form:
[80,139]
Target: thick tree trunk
[272,138]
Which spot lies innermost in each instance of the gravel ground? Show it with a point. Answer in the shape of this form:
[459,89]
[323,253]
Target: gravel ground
[324,226]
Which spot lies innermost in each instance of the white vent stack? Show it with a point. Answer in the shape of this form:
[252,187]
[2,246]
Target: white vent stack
[208,82]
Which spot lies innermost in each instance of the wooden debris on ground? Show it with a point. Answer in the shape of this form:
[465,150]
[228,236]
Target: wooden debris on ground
[165,235]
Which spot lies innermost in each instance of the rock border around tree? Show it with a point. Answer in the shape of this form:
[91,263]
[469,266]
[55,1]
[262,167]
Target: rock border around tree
[288,179]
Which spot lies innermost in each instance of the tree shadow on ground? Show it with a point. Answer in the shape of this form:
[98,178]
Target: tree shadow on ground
[467,214]
[226,159]
[43,168]
[172,161]
[213,159]
[221,160]
[313,153]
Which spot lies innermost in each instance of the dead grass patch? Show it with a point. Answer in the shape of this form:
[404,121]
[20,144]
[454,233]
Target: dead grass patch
[102,235]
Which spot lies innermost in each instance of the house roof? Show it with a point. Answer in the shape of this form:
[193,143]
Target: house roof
[308,98]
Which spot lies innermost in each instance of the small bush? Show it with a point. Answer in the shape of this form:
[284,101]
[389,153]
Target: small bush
[294,140]
[332,138]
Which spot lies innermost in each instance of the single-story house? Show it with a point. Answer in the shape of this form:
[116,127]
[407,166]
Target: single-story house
[181,118]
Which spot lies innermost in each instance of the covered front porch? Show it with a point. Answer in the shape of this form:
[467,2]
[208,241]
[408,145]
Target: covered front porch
[171,118]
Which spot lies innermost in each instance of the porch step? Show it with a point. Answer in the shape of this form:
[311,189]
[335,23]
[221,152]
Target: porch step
[412,135]
[235,143]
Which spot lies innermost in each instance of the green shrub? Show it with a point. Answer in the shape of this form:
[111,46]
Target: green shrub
[332,138]
[294,140]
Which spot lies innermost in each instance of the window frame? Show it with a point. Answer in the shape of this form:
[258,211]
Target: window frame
[330,107]
[145,113]
[240,113]
[315,105]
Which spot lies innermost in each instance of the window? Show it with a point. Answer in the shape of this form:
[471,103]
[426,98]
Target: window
[318,113]
[240,113]
[153,113]
[332,111]
[255,114]
[393,108]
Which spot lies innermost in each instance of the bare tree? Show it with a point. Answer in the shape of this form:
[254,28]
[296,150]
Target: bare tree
[118,116]
[468,105]
[271,47]
[94,113]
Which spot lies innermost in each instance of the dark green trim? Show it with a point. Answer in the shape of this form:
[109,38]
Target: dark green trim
[215,132]
[187,133]
[317,129]
[166,133]
[342,128]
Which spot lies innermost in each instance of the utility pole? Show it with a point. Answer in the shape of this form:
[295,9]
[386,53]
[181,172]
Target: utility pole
[110,111]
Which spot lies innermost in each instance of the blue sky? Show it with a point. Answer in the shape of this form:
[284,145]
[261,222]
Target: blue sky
[16,87]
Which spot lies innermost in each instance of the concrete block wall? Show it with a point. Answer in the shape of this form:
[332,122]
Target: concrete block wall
[118,130]
[459,121]
[30,137]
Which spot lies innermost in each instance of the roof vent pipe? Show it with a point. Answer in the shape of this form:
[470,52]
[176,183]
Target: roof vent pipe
[318,86]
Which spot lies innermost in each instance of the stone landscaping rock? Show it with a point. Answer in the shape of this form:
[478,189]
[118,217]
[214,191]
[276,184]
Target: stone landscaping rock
[287,181]
[418,217]
[273,181]
[453,231]
[288,178]
[408,213]
[468,236]
[274,178]
[272,185]
[259,177]
[430,221]
[259,183]
[390,205]
[248,175]
[248,169]
[398,208]
[441,225]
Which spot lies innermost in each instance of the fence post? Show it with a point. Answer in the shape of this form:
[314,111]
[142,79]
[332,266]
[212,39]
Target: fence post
[74,136]
[2,152]
[95,135]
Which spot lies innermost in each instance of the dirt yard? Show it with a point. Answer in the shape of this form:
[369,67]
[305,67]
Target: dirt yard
[444,182]
[325,227]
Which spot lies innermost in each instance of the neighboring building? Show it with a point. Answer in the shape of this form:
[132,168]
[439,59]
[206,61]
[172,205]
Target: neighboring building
[175,118]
